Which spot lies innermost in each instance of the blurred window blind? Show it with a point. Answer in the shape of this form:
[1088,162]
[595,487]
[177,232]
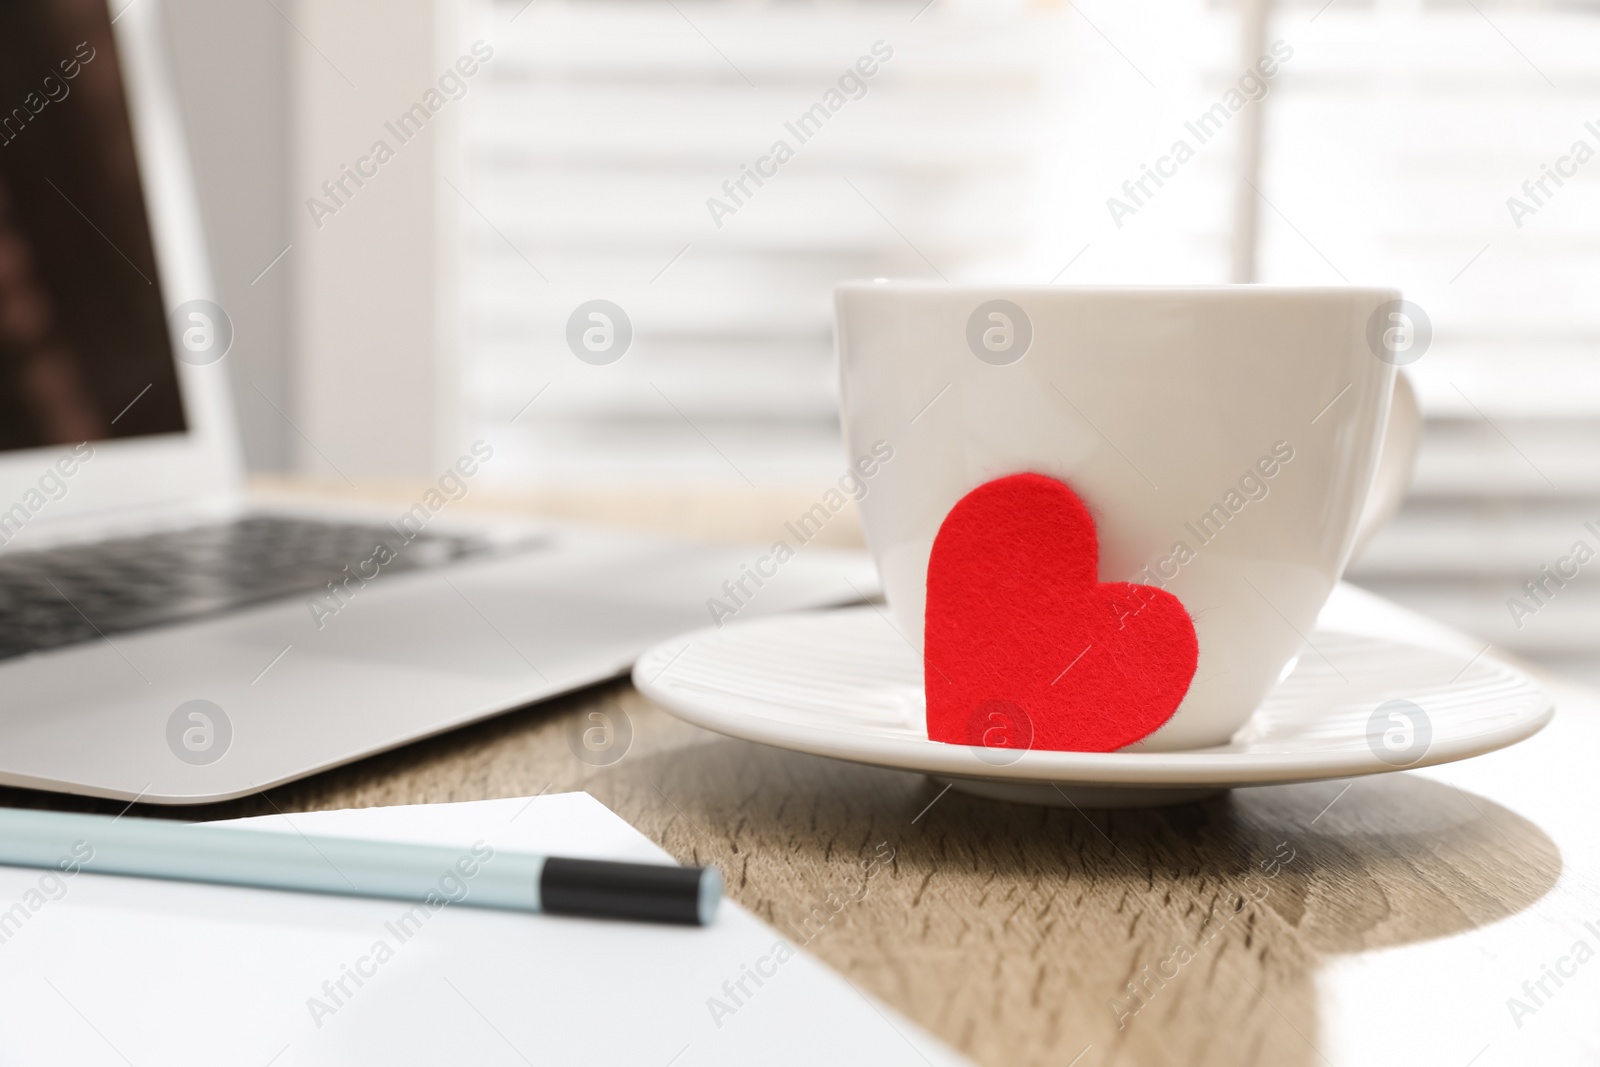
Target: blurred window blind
[1397,137]
[1412,144]
[984,147]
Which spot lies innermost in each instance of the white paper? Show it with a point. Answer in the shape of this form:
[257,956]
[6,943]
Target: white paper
[99,969]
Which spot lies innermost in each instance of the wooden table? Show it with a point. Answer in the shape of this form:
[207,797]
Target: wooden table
[1383,919]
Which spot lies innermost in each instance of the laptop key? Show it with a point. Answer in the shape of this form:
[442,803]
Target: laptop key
[68,595]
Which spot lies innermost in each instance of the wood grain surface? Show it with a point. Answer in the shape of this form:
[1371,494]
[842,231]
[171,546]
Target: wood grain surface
[1196,934]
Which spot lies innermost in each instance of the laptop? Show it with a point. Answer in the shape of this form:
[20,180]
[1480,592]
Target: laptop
[164,636]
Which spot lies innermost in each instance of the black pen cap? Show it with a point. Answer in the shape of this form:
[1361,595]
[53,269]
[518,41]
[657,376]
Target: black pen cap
[649,892]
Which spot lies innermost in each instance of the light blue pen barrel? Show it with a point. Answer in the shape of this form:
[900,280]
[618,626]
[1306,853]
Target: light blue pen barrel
[476,876]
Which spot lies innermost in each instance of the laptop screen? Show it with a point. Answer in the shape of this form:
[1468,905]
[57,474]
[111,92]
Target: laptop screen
[84,348]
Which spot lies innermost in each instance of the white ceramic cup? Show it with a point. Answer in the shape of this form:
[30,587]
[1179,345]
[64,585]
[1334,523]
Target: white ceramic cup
[1243,422]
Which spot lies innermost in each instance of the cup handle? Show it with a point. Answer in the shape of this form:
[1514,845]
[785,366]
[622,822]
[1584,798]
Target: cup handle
[1396,461]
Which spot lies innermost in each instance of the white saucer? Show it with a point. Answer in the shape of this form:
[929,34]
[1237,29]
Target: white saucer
[846,684]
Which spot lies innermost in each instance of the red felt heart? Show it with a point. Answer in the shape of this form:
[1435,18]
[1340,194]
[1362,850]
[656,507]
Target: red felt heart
[1026,648]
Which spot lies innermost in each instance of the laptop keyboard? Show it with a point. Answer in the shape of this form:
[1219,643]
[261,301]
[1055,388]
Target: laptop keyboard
[65,595]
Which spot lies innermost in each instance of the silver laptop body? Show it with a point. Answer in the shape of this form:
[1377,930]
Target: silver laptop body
[196,651]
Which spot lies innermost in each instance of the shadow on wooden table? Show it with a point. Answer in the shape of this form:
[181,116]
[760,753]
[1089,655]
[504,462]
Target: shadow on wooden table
[1021,935]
